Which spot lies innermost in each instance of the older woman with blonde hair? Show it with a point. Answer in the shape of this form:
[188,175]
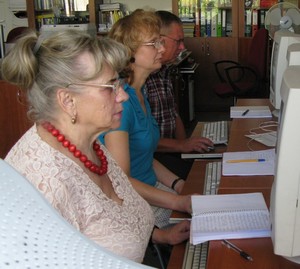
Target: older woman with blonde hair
[75,93]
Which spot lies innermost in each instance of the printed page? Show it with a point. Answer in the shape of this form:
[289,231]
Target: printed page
[229,216]
[230,225]
[247,163]
[250,112]
[202,204]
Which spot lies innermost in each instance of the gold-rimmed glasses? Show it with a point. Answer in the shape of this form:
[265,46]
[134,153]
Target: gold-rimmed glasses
[120,82]
[156,43]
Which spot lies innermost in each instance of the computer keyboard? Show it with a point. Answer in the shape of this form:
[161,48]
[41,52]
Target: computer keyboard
[216,131]
[213,173]
[195,256]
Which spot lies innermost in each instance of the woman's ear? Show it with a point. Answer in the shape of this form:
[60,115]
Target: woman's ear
[66,101]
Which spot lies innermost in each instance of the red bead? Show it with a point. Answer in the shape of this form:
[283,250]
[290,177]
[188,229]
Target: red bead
[83,158]
[77,153]
[60,138]
[66,143]
[99,152]
[72,148]
[88,164]
[49,128]
[55,132]
[93,168]
[96,146]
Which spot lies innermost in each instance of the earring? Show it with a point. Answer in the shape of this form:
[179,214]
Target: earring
[73,120]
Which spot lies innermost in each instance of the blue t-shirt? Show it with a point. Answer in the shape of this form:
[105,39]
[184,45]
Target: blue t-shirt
[143,133]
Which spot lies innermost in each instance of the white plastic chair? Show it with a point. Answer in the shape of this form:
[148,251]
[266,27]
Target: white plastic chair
[34,235]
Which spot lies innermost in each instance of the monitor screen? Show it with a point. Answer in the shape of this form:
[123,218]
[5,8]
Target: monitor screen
[284,206]
[279,62]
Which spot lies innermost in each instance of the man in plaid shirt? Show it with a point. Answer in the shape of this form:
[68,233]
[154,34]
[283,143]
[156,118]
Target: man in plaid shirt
[159,90]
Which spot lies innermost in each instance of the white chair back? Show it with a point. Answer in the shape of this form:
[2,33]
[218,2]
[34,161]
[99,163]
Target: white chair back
[34,235]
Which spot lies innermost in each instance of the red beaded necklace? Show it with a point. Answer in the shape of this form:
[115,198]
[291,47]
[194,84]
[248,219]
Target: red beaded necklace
[100,170]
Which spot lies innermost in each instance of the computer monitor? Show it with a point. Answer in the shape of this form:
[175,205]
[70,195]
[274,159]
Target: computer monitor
[279,62]
[285,194]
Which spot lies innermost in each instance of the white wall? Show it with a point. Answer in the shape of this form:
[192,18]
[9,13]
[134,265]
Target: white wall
[131,5]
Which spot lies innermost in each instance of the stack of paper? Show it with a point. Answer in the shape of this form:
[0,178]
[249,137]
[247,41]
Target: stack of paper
[250,112]
[248,163]
[229,216]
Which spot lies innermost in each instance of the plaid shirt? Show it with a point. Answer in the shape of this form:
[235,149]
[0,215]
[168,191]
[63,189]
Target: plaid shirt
[159,90]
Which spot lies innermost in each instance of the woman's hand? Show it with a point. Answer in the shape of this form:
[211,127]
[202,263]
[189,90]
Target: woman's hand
[172,235]
[183,203]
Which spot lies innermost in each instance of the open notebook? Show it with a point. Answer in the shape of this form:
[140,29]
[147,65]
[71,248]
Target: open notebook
[229,216]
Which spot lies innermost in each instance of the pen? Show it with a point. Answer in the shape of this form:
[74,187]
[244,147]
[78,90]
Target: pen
[245,112]
[246,161]
[238,250]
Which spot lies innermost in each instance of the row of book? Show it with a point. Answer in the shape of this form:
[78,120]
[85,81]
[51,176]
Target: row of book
[254,20]
[212,23]
[187,8]
[109,14]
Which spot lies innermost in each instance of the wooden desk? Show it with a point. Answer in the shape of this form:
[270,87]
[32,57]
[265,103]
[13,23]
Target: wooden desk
[261,249]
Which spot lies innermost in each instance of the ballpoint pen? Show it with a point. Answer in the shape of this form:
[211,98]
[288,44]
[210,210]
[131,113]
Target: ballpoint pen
[245,112]
[246,161]
[238,250]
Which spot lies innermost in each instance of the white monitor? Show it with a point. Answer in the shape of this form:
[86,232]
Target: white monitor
[279,62]
[285,194]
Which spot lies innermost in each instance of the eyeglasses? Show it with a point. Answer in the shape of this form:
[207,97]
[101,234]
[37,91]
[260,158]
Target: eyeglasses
[120,82]
[178,41]
[156,44]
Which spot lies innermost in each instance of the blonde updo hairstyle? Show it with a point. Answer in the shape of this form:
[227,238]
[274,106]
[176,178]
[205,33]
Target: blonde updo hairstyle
[41,65]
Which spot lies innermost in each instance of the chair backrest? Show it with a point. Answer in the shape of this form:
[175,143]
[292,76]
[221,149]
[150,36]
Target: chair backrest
[15,33]
[34,235]
[258,52]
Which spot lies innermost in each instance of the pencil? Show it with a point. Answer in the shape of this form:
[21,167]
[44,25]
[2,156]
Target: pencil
[246,161]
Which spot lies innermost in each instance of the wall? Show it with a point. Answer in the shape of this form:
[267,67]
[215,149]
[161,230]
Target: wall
[131,5]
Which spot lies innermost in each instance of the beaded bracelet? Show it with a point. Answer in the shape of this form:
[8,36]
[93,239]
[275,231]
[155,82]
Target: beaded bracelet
[175,182]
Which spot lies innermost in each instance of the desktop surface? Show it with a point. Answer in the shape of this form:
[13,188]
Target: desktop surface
[261,249]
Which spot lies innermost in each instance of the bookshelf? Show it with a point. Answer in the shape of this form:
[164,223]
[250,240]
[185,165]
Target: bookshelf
[209,45]
[33,11]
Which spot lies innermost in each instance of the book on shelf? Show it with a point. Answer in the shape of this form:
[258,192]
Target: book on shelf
[254,21]
[111,6]
[229,216]
[202,26]
[223,22]
[248,21]
[208,23]
[214,23]
[261,19]
[219,23]
[188,28]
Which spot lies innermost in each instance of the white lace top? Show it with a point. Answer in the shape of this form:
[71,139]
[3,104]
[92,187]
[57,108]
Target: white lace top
[124,229]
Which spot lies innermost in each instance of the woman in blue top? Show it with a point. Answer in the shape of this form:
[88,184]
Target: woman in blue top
[133,144]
